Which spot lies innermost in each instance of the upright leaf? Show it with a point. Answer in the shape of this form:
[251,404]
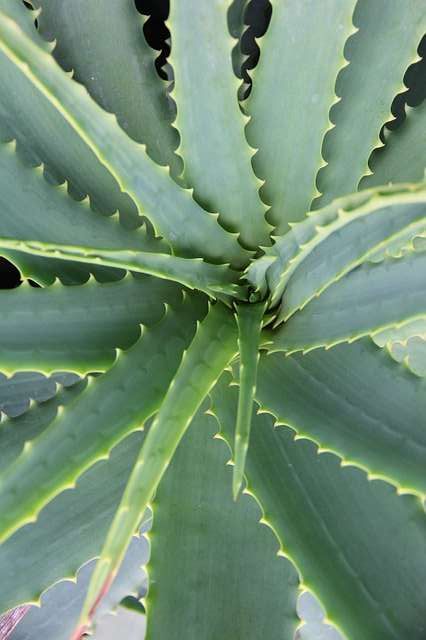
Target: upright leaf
[360,548]
[77,328]
[125,83]
[205,545]
[355,401]
[213,347]
[378,54]
[113,406]
[293,90]
[403,158]
[170,208]
[249,320]
[211,124]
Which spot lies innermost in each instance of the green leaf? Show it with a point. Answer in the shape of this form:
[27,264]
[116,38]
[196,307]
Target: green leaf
[42,132]
[16,431]
[170,208]
[126,83]
[412,352]
[360,548]
[193,273]
[17,392]
[379,54]
[217,164]
[293,90]
[331,242]
[355,401]
[415,328]
[60,606]
[76,328]
[205,545]
[71,528]
[68,533]
[249,320]
[32,208]
[403,158]
[211,350]
[371,298]
[113,406]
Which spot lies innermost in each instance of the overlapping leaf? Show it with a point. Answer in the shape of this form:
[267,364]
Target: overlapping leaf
[293,90]
[206,545]
[113,406]
[359,546]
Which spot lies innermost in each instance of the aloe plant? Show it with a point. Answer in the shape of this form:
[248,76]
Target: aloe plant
[231,267]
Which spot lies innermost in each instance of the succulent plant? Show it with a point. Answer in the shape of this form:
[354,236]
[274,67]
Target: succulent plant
[231,266]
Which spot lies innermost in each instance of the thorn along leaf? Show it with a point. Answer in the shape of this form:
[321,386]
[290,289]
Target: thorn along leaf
[214,345]
[249,319]
[142,200]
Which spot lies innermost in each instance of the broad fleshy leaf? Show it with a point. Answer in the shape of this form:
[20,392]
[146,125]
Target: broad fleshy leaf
[403,158]
[355,401]
[175,215]
[32,209]
[60,606]
[342,531]
[112,406]
[77,328]
[293,90]
[126,83]
[379,53]
[18,391]
[206,545]
[211,350]
[217,164]
[68,533]
[367,300]
[329,243]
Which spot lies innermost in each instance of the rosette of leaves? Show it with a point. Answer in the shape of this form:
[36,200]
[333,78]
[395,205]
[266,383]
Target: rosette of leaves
[213,270]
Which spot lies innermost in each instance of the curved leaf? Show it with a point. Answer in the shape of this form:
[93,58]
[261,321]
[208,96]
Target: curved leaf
[170,208]
[329,243]
[36,334]
[379,54]
[113,406]
[126,83]
[360,548]
[293,90]
[216,164]
[355,401]
[403,158]
[211,350]
[203,543]
[369,299]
